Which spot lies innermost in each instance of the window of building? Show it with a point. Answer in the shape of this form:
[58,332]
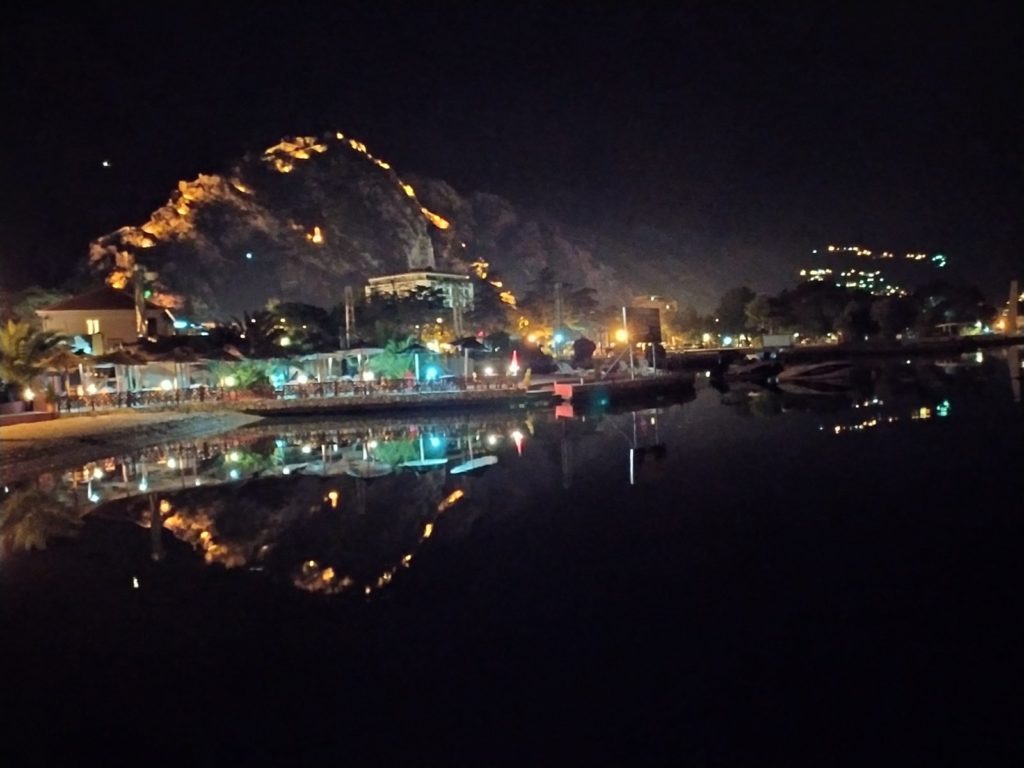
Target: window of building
[92,326]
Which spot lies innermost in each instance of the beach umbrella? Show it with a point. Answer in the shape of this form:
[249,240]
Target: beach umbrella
[414,346]
[423,462]
[121,359]
[182,358]
[64,360]
[367,467]
[467,342]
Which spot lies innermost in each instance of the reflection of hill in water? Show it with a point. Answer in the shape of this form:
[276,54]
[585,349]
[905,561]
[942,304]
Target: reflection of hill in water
[325,533]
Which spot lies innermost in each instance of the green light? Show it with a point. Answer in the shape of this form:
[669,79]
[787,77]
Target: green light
[147,293]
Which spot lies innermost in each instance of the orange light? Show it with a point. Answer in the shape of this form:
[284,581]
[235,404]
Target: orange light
[433,218]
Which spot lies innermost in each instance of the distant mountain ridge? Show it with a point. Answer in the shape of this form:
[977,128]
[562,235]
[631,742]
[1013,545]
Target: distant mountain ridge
[313,214]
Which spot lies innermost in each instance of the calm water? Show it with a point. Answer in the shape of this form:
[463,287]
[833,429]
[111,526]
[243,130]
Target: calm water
[748,576]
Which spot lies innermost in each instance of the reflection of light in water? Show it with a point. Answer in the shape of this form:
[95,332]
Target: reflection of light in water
[450,499]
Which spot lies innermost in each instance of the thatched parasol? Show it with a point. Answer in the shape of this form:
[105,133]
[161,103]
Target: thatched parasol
[64,360]
[121,359]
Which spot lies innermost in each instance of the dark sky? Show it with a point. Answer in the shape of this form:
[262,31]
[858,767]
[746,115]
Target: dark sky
[777,127]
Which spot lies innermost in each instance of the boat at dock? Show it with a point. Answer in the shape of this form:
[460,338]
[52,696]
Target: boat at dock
[830,371]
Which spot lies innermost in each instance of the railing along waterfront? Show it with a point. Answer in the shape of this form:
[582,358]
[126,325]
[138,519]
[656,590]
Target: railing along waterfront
[291,391]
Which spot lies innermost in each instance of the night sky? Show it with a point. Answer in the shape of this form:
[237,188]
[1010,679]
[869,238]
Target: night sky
[778,128]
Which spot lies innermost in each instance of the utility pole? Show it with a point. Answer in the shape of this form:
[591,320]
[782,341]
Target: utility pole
[1011,315]
[558,316]
[629,343]
[350,316]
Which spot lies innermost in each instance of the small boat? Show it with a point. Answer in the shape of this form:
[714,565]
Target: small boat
[814,387]
[752,368]
[835,370]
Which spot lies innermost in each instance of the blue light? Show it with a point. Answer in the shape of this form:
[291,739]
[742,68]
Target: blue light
[559,338]
[248,255]
[179,324]
[435,441]
[431,373]
[233,474]
[727,341]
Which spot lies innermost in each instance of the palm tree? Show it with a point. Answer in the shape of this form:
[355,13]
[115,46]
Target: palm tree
[32,517]
[261,332]
[25,352]
[394,360]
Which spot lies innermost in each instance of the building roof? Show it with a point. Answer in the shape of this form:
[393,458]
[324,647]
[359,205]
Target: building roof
[417,275]
[101,298]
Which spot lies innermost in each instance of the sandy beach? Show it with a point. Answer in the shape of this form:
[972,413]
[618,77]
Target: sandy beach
[27,449]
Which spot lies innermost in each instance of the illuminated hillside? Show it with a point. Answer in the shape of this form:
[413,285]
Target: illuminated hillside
[310,215]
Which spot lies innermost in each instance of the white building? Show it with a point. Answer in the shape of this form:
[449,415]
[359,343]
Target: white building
[107,318]
[456,289]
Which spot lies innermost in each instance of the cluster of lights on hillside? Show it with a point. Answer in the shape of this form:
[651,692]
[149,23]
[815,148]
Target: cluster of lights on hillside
[870,280]
[860,279]
[938,259]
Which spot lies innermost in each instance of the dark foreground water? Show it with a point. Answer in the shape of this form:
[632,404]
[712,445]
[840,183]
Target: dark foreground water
[749,577]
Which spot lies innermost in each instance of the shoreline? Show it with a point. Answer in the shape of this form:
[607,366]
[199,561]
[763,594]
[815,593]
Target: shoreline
[32,448]
[35,448]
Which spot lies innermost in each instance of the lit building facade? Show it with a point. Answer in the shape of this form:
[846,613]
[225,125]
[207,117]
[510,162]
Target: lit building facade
[456,289]
[107,318]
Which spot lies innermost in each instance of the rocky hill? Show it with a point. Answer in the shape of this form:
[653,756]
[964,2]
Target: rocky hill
[313,214]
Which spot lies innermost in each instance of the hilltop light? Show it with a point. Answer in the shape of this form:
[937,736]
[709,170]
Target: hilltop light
[316,236]
[407,188]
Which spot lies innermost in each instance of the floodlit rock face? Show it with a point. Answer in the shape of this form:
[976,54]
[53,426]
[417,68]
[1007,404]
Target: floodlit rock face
[313,214]
[298,222]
